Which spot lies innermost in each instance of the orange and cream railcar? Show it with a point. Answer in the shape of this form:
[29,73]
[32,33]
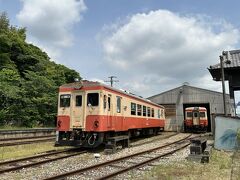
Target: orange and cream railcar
[90,112]
[196,119]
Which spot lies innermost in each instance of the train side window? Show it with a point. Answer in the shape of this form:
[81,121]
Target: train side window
[65,100]
[139,110]
[92,99]
[202,114]
[148,111]
[152,112]
[159,114]
[109,103]
[144,110]
[118,104]
[104,101]
[133,109]
[79,100]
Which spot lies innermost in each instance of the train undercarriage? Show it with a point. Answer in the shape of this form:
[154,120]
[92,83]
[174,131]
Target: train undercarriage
[195,128]
[79,138]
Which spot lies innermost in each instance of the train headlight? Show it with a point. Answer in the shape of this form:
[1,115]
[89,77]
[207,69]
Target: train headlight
[59,124]
[96,123]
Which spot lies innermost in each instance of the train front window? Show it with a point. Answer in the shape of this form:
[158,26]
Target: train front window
[189,114]
[92,99]
[65,100]
[195,114]
[202,114]
[79,100]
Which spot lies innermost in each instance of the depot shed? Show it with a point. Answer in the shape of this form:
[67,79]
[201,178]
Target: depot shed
[176,100]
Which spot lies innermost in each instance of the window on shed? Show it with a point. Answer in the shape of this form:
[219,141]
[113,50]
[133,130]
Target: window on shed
[152,112]
[144,110]
[148,111]
[133,109]
[139,110]
[79,100]
[118,104]
[65,100]
[92,99]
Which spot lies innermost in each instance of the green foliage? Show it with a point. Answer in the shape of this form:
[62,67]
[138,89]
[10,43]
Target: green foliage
[29,81]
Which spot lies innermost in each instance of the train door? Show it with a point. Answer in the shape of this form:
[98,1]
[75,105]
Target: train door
[77,110]
[196,118]
[119,117]
[109,111]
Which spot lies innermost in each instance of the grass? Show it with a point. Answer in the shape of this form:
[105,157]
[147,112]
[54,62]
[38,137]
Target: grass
[218,168]
[13,152]
[8,127]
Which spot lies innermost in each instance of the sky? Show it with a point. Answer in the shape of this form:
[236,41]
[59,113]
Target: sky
[150,45]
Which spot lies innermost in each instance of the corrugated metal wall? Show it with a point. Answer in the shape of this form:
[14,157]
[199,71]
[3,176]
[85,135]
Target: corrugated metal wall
[190,95]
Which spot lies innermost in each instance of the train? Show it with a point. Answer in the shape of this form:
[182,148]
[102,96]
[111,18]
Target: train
[196,119]
[90,113]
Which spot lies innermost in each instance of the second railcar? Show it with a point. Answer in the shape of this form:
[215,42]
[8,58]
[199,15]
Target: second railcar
[196,119]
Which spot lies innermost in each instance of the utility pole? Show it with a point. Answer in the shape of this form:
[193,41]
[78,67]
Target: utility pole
[112,80]
[223,84]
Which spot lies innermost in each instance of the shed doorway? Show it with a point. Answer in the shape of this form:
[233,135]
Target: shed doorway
[206,105]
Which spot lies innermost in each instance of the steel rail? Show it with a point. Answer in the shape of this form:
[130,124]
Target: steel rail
[121,171]
[25,142]
[36,156]
[34,164]
[148,142]
[30,137]
[78,171]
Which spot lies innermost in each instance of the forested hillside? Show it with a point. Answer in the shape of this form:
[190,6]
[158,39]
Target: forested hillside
[28,79]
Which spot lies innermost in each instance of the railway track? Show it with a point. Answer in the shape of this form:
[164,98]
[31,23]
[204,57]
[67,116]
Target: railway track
[155,138]
[22,138]
[18,141]
[121,165]
[33,161]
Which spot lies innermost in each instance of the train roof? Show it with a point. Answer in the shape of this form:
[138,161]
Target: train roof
[90,85]
[195,108]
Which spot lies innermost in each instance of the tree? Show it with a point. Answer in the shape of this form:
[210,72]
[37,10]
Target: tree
[4,21]
[28,79]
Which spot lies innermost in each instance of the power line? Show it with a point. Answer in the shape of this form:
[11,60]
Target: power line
[112,80]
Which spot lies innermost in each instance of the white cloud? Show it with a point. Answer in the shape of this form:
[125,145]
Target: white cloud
[50,23]
[163,49]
